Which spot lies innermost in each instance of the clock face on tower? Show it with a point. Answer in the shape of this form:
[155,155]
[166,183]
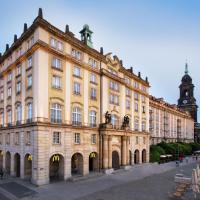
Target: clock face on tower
[184,101]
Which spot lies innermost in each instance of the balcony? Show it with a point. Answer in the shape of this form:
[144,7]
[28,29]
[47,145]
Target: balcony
[76,123]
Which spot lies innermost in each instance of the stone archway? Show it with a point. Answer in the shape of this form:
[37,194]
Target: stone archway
[8,162]
[56,167]
[93,162]
[77,164]
[144,156]
[1,159]
[136,156]
[17,165]
[28,166]
[115,160]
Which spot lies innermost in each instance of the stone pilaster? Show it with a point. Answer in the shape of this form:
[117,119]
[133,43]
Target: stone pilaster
[124,149]
[105,151]
[109,151]
[22,166]
[12,165]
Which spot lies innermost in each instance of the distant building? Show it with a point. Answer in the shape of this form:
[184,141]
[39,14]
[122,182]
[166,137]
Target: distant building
[187,101]
[168,123]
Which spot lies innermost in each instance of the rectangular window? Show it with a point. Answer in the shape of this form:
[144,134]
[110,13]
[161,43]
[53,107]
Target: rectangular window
[10,76]
[143,126]
[93,78]
[136,85]
[77,88]
[76,54]
[143,109]
[77,139]
[30,62]
[8,138]
[136,96]
[127,80]
[56,82]
[16,138]
[136,124]
[114,99]
[53,43]
[56,62]
[128,104]
[28,138]
[77,71]
[143,99]
[18,89]
[136,107]
[93,93]
[114,86]
[94,138]
[9,92]
[18,70]
[30,81]
[56,137]
[128,92]
[60,46]
[92,62]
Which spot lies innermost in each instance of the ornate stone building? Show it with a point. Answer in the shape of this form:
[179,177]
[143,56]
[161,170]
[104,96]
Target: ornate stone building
[168,123]
[55,92]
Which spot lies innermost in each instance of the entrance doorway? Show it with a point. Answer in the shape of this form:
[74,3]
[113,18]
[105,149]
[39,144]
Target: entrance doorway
[136,157]
[17,165]
[28,166]
[56,167]
[115,160]
[77,164]
[93,162]
[144,156]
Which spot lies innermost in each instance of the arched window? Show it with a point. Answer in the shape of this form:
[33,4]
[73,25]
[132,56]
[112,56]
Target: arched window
[56,113]
[76,116]
[93,118]
[29,112]
[18,114]
[115,121]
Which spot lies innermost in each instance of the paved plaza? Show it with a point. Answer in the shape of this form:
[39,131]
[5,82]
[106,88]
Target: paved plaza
[148,181]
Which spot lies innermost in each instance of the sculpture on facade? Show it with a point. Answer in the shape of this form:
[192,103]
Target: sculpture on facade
[107,118]
[126,121]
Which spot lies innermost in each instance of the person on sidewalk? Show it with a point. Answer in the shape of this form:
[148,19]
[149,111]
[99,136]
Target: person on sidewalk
[1,173]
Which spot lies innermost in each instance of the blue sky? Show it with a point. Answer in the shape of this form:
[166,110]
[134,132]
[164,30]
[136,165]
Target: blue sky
[156,37]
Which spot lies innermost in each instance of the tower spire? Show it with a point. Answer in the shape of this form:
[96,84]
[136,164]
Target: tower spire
[186,68]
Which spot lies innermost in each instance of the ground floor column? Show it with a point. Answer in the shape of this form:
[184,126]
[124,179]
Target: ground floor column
[127,151]
[22,166]
[140,157]
[124,149]
[109,151]
[4,159]
[12,165]
[105,151]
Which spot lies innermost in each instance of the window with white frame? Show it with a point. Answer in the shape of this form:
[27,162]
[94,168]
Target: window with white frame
[136,84]
[77,88]
[136,124]
[29,111]
[60,46]
[28,138]
[56,113]
[9,92]
[8,138]
[18,87]
[143,99]
[76,116]
[56,137]
[9,76]
[127,80]
[92,62]
[93,93]
[94,138]
[114,86]
[136,96]
[56,62]
[128,92]
[93,78]
[18,113]
[128,104]
[56,44]
[17,138]
[77,71]
[143,125]
[114,99]
[136,107]
[56,82]
[76,54]
[30,62]
[77,138]
[93,118]
[9,117]
[115,120]
[18,70]
[30,81]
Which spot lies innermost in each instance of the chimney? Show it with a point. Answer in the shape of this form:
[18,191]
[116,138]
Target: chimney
[131,69]
[25,27]
[139,74]
[15,38]
[101,50]
[40,14]
[121,62]
[146,79]
[7,47]
[67,28]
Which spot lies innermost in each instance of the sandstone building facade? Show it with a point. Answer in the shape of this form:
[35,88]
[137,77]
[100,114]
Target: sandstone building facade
[67,109]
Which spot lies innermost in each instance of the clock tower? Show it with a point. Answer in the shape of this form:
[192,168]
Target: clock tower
[187,102]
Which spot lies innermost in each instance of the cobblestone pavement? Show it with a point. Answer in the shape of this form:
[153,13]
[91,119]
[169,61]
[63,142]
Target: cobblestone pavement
[147,181]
